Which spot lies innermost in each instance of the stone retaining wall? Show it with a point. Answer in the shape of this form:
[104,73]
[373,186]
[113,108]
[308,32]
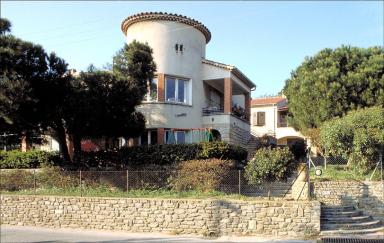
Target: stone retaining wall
[204,217]
[366,195]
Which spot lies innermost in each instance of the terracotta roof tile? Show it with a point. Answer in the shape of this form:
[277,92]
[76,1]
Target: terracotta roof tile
[165,16]
[266,101]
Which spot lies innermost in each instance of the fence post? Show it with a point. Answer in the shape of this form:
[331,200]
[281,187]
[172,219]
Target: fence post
[239,182]
[81,191]
[127,186]
[34,181]
[309,175]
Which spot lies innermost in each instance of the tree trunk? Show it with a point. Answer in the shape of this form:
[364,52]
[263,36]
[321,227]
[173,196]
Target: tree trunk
[76,147]
[24,142]
[61,139]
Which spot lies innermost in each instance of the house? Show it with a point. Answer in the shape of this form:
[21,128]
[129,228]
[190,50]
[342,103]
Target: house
[190,96]
[269,118]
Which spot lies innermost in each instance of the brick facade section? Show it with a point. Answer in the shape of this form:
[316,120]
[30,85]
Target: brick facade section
[161,87]
[160,135]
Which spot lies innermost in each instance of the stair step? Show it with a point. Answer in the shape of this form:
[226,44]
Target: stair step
[346,232]
[345,220]
[337,208]
[357,226]
[354,213]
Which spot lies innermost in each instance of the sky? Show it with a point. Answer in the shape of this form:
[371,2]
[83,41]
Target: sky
[265,40]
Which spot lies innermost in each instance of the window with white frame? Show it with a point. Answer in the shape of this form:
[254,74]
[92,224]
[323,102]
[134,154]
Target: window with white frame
[177,90]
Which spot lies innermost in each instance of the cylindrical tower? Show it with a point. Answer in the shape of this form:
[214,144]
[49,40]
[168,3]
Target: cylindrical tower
[178,44]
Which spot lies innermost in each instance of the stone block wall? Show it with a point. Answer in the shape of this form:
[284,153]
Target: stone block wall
[204,217]
[366,195]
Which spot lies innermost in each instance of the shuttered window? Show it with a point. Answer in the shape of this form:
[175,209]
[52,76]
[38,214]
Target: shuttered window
[261,118]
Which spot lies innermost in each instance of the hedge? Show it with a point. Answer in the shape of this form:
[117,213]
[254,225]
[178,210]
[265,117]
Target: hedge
[162,155]
[16,159]
[136,157]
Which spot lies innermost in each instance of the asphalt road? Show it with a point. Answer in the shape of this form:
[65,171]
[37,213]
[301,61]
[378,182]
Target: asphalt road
[48,235]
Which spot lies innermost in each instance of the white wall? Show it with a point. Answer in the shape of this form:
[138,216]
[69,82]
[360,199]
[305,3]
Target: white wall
[271,120]
[162,36]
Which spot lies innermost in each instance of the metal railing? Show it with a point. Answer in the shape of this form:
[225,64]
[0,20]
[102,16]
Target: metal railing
[126,182]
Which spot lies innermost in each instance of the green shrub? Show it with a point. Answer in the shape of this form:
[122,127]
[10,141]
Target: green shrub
[16,180]
[54,177]
[270,164]
[162,155]
[357,137]
[203,175]
[29,159]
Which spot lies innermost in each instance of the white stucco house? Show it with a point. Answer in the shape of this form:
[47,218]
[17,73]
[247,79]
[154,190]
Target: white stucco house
[269,117]
[189,93]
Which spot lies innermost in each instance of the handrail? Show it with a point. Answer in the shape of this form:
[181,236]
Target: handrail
[293,182]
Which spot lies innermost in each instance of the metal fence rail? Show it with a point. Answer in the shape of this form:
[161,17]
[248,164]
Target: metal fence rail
[36,181]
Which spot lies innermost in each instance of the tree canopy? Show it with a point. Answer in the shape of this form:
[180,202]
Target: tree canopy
[38,94]
[333,82]
[357,137]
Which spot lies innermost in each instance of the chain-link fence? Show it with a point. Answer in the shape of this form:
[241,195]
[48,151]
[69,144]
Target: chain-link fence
[129,183]
[339,168]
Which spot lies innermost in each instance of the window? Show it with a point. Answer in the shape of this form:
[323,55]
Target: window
[175,137]
[282,119]
[260,118]
[151,90]
[176,90]
[180,137]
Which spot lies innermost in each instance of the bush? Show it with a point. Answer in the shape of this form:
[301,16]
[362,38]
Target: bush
[357,137]
[54,177]
[30,159]
[270,164]
[203,175]
[16,180]
[162,155]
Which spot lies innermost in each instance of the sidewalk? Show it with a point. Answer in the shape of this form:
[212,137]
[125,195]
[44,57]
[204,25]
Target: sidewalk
[39,234]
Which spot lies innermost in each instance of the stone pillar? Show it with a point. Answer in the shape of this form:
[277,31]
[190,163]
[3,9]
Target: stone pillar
[161,87]
[227,95]
[160,136]
[247,101]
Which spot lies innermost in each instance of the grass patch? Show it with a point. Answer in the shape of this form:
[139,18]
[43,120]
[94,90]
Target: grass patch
[111,192]
[342,172]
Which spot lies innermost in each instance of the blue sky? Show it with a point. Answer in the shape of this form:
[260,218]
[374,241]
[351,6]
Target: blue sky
[265,40]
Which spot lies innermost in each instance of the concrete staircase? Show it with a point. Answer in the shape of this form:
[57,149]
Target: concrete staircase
[341,220]
[251,146]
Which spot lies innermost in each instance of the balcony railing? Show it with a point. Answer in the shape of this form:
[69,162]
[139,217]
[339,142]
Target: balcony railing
[212,111]
[219,110]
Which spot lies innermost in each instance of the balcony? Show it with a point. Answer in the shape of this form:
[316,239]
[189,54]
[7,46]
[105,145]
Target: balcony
[237,111]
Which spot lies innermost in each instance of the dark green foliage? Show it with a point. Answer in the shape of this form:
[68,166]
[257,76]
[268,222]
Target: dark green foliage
[222,150]
[203,175]
[298,149]
[162,155]
[270,164]
[333,82]
[357,137]
[5,26]
[30,159]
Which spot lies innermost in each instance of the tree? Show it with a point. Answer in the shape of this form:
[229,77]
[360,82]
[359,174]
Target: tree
[357,137]
[22,65]
[102,103]
[333,82]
